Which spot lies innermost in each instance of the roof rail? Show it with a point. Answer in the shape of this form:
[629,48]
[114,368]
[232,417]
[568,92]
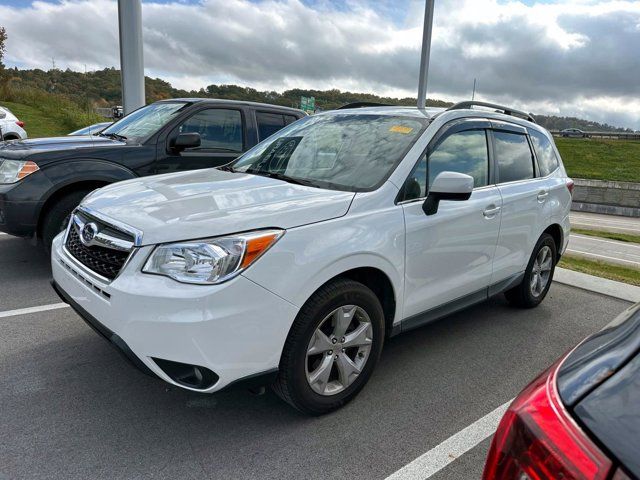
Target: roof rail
[505,110]
[363,104]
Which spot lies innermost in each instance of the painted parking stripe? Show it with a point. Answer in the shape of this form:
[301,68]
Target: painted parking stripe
[615,242]
[25,311]
[453,447]
[589,254]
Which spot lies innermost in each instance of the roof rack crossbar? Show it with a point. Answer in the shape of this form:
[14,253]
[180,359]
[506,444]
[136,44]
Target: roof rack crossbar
[505,110]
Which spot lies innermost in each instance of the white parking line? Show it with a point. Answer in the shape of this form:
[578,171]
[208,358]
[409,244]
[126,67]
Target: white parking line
[589,254]
[615,242]
[25,311]
[603,226]
[453,447]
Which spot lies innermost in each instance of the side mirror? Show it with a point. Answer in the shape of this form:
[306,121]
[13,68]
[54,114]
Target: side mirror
[447,186]
[186,140]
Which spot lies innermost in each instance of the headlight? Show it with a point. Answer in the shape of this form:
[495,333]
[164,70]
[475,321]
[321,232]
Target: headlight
[207,262]
[13,170]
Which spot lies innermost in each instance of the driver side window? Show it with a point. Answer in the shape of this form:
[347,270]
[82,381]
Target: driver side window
[463,152]
[219,129]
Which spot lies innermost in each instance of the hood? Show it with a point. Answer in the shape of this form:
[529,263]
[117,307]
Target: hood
[18,149]
[209,203]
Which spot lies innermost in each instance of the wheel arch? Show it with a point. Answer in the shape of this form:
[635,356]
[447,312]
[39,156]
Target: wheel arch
[77,175]
[555,230]
[379,282]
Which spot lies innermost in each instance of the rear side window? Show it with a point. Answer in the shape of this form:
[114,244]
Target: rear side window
[514,157]
[269,123]
[547,159]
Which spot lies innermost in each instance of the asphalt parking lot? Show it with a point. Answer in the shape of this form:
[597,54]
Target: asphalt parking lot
[73,408]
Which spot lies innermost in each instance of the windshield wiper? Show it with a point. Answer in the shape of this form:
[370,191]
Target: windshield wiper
[226,168]
[285,178]
[116,136]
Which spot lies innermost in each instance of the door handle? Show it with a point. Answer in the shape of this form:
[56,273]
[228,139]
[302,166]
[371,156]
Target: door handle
[491,211]
[542,195]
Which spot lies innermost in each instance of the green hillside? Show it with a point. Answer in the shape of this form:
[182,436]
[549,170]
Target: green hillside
[601,159]
[102,88]
[37,123]
[47,114]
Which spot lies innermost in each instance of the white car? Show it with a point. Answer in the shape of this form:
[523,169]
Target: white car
[295,263]
[10,127]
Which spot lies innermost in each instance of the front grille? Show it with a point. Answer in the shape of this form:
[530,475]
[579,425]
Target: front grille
[106,262]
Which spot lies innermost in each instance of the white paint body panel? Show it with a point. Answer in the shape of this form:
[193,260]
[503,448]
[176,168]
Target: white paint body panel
[210,202]
[239,328]
[523,218]
[449,254]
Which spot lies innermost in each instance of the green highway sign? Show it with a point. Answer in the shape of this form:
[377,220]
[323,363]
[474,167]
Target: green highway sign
[308,104]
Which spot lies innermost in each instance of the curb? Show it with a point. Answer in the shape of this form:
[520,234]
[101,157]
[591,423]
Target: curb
[604,286]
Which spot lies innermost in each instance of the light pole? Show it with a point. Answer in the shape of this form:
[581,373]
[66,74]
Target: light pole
[131,61]
[426,51]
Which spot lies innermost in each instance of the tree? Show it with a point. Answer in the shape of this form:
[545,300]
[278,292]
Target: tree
[3,39]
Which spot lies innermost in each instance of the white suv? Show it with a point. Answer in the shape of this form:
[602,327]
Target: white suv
[295,263]
[10,127]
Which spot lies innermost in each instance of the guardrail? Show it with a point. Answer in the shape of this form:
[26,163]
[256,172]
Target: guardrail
[616,135]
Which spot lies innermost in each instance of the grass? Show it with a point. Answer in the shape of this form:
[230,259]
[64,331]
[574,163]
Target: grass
[37,123]
[46,114]
[601,269]
[621,237]
[601,159]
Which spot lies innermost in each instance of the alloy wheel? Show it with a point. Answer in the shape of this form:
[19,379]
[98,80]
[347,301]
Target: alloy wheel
[338,350]
[541,271]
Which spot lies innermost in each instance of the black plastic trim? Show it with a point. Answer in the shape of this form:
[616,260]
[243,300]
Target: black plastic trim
[456,305]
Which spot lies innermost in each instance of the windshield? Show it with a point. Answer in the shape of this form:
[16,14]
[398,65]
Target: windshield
[145,121]
[354,152]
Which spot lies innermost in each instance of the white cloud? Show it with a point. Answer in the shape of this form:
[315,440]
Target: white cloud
[576,57]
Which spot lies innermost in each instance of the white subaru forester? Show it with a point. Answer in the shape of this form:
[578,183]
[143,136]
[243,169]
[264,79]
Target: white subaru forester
[293,264]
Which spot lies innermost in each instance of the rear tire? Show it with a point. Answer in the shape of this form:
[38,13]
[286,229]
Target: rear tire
[57,218]
[538,275]
[332,348]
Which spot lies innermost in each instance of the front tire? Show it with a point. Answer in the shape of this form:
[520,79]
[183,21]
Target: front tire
[57,217]
[538,275]
[332,348]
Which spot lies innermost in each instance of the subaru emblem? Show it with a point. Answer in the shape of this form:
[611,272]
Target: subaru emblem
[88,233]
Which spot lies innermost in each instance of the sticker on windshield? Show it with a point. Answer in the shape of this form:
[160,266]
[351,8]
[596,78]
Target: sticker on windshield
[401,129]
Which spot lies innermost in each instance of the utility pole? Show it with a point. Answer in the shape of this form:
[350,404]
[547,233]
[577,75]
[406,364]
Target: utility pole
[131,61]
[473,94]
[426,51]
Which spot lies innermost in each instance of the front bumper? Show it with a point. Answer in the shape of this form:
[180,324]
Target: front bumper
[16,218]
[236,329]
[21,203]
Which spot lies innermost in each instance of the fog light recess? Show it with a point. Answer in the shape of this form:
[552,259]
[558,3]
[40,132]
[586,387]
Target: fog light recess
[192,376]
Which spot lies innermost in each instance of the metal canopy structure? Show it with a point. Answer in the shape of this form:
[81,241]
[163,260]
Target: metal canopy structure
[131,60]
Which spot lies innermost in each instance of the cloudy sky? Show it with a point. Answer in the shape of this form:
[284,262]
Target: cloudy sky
[576,57]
